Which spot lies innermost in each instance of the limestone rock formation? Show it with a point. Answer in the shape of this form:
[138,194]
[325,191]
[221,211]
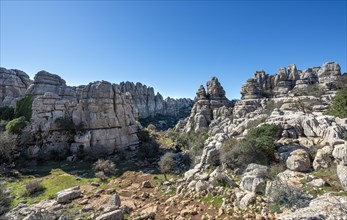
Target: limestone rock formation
[13,85]
[285,82]
[102,117]
[150,104]
[205,103]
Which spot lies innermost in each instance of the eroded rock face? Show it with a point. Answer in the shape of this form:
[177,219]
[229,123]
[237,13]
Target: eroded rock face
[103,118]
[13,85]
[284,82]
[205,103]
[326,206]
[150,104]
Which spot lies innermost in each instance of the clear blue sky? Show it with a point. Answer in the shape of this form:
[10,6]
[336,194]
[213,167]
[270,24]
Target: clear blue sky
[173,46]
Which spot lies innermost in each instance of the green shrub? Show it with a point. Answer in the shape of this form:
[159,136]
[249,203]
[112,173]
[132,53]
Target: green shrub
[338,107]
[257,147]
[7,146]
[149,147]
[107,167]
[24,107]
[16,125]
[167,163]
[5,201]
[275,169]
[6,113]
[284,195]
[34,188]
[345,136]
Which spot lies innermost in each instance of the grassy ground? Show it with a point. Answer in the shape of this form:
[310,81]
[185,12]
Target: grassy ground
[54,177]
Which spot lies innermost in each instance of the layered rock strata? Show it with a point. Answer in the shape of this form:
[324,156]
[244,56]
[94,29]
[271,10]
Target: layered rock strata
[150,104]
[289,80]
[102,118]
[13,85]
[205,104]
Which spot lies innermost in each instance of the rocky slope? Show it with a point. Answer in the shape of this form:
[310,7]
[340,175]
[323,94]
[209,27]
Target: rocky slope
[285,99]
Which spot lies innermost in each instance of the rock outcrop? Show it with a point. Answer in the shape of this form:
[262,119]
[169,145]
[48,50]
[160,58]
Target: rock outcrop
[205,104]
[102,118]
[284,82]
[150,104]
[13,85]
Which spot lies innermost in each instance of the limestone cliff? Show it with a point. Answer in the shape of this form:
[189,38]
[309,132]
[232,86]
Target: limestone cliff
[150,104]
[286,82]
[99,116]
[13,84]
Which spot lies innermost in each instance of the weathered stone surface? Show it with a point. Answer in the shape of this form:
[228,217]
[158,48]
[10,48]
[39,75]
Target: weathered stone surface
[13,85]
[299,160]
[327,206]
[281,84]
[205,103]
[114,215]
[341,171]
[201,185]
[106,115]
[149,104]
[68,195]
[253,178]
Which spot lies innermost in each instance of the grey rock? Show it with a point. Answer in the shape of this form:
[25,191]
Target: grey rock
[114,215]
[68,195]
[114,200]
[299,160]
[341,171]
[201,185]
[327,206]
[13,85]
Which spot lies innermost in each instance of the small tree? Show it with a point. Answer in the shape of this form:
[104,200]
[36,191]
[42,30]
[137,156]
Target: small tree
[7,146]
[167,163]
[24,107]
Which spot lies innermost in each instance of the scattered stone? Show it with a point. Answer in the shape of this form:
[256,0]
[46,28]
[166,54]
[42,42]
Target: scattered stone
[68,195]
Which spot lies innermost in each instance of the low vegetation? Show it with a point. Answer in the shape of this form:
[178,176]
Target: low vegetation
[285,195]
[24,107]
[104,168]
[7,113]
[149,148]
[5,200]
[7,146]
[34,188]
[338,108]
[192,141]
[257,147]
[167,163]
[16,125]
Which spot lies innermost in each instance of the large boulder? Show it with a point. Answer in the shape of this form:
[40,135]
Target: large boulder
[68,195]
[253,178]
[299,160]
[113,215]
